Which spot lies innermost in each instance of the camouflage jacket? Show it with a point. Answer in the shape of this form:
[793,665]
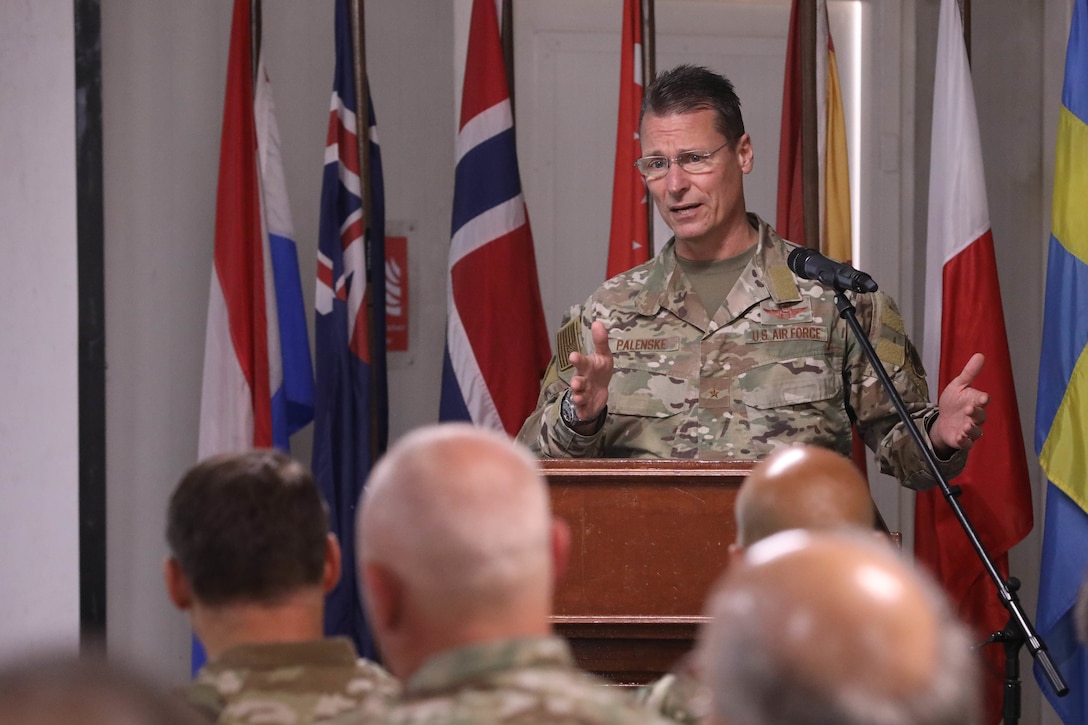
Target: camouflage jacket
[774,365]
[294,683]
[512,681]
[678,696]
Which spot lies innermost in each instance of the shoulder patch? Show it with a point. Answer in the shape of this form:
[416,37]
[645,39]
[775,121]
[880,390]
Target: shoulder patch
[782,284]
[567,340]
[890,317]
[915,370]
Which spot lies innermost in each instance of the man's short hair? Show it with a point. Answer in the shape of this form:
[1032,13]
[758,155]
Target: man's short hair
[689,88]
[248,527]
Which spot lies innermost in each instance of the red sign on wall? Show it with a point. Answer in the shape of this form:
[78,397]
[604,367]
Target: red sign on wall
[396,294]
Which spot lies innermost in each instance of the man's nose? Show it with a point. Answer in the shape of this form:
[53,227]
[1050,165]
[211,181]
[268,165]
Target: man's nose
[676,179]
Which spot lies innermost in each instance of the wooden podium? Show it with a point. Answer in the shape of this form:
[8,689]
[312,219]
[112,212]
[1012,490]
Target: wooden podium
[648,539]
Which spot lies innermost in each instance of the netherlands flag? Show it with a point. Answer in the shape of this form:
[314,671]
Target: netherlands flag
[964,316]
[258,380]
[349,333]
[496,340]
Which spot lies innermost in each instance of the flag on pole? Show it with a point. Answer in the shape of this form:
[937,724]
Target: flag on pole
[496,341]
[258,386]
[963,315]
[834,171]
[258,381]
[628,244]
[1062,405]
[350,425]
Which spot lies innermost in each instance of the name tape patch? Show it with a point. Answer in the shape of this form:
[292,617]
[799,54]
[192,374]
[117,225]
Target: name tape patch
[785,333]
[645,344]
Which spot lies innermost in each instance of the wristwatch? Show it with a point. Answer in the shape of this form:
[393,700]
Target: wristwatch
[570,417]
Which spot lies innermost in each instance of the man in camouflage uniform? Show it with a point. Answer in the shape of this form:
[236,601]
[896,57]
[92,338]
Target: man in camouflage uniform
[459,554]
[715,349]
[251,561]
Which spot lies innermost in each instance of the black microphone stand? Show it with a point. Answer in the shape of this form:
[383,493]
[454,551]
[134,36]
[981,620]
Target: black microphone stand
[1019,630]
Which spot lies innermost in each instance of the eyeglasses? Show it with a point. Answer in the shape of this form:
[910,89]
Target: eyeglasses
[693,162]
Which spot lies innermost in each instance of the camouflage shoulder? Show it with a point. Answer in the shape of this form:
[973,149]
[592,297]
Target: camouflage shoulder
[893,345]
[373,680]
[677,697]
[202,699]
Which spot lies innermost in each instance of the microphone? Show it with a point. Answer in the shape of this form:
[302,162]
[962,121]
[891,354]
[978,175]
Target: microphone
[810,264]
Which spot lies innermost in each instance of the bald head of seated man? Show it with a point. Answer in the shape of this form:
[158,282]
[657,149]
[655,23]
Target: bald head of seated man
[833,627]
[801,487]
[459,555]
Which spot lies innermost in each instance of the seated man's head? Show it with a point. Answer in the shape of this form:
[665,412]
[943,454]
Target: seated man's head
[456,544]
[249,538]
[801,487]
[53,688]
[821,627]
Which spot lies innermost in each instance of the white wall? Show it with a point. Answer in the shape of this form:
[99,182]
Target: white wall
[39,475]
[164,69]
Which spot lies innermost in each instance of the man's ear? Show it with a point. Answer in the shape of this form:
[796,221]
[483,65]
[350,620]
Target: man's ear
[745,153]
[560,547]
[736,554]
[383,595]
[177,585]
[330,573]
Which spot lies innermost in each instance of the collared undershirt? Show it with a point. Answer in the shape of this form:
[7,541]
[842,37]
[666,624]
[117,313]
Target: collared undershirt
[712,280]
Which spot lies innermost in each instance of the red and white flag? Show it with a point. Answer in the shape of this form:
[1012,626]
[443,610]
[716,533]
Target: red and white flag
[628,243]
[964,316]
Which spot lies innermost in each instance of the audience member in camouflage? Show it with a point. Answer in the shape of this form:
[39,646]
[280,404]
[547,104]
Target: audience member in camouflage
[251,561]
[288,683]
[679,696]
[531,680]
[459,554]
[879,644]
[644,369]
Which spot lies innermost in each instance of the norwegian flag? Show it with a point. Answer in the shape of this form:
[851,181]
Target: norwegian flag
[496,340]
[628,244]
[350,425]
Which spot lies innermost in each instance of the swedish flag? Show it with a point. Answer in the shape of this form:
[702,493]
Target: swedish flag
[1061,422]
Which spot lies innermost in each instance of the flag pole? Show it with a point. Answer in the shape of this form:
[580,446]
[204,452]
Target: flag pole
[965,15]
[507,35]
[362,140]
[649,72]
[649,43]
[255,38]
[810,161]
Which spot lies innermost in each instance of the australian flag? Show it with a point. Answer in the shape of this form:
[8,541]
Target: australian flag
[351,402]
